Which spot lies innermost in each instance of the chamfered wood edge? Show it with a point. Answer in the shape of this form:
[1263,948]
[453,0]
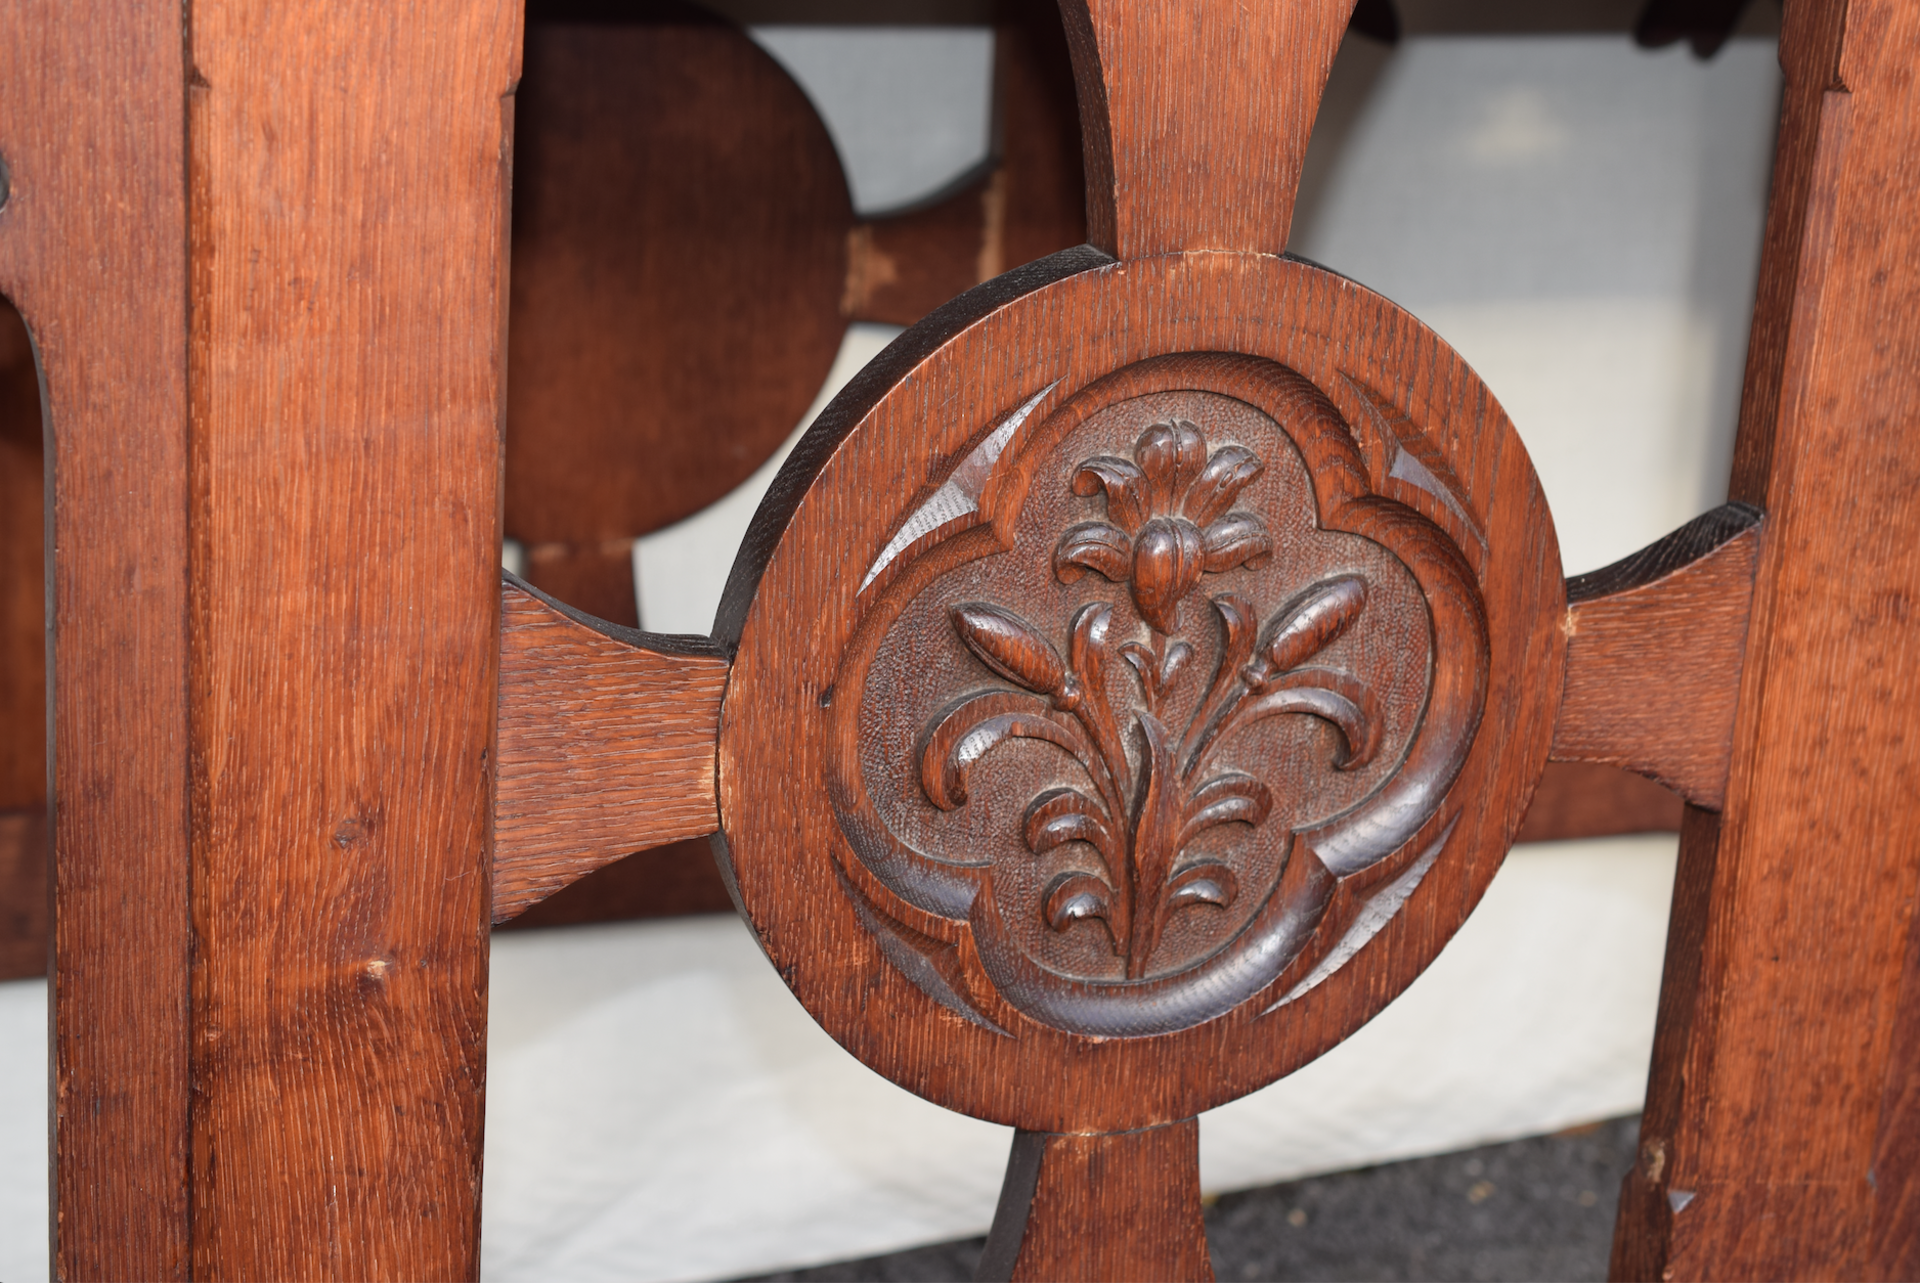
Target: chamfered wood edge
[607,741]
[1654,649]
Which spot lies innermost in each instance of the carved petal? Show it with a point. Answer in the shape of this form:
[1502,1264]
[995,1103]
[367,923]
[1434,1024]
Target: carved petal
[972,729]
[1096,546]
[1331,696]
[1074,896]
[1232,469]
[1209,882]
[1060,816]
[1226,799]
[1168,557]
[1126,488]
[1237,539]
[1010,646]
[1314,620]
[1171,456]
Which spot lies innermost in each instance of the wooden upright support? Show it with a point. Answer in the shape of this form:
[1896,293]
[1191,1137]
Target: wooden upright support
[1782,1131]
[265,271]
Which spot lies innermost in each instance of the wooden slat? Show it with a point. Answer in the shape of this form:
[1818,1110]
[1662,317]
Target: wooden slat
[1177,155]
[606,744]
[1779,1139]
[1654,644]
[1078,1207]
[92,250]
[348,170]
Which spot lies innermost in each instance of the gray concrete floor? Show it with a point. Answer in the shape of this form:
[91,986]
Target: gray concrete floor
[1535,1209]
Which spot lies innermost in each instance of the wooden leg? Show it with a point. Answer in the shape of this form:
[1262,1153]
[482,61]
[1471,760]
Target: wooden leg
[1779,1140]
[1101,1207]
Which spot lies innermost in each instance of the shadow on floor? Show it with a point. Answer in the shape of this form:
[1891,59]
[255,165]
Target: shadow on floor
[1540,1208]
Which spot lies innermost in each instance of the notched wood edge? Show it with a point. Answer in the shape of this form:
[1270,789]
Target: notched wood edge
[1655,644]
[606,743]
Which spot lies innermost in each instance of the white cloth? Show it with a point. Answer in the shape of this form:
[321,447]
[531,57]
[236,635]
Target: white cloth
[660,1107]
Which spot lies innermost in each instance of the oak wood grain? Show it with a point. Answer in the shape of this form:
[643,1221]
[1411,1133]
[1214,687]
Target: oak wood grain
[1164,175]
[1654,648]
[606,744]
[1100,1207]
[93,239]
[1778,1140]
[348,166]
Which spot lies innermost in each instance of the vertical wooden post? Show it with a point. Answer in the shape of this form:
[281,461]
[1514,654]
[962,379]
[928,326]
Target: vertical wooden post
[93,251]
[348,175]
[1780,1139]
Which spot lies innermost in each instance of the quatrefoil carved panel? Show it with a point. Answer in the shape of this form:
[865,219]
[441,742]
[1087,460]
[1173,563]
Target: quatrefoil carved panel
[1131,716]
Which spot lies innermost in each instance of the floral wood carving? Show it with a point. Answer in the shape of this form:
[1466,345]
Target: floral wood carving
[1170,530]
[1134,721]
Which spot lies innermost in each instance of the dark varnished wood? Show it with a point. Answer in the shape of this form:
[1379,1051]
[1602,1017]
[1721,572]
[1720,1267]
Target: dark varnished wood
[1073,458]
[93,239]
[23,668]
[1094,1207]
[1780,1139]
[1162,176]
[678,206]
[348,169]
[679,203]
[606,743]
[1581,800]
[1654,648]
[1030,203]
[23,894]
[659,882]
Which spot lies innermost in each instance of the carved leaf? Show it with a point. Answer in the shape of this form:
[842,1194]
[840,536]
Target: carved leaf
[1087,643]
[1208,882]
[1237,539]
[1170,456]
[975,727]
[1126,489]
[1236,616]
[1095,546]
[1168,557]
[1157,671]
[1333,697]
[1010,646]
[1073,896]
[1231,469]
[1060,816]
[1314,620]
[1225,799]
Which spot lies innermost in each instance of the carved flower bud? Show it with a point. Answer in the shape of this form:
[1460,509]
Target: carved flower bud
[1009,646]
[1171,456]
[1168,557]
[1314,620]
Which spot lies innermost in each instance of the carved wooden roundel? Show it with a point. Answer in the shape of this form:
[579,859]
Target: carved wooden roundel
[1183,708]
